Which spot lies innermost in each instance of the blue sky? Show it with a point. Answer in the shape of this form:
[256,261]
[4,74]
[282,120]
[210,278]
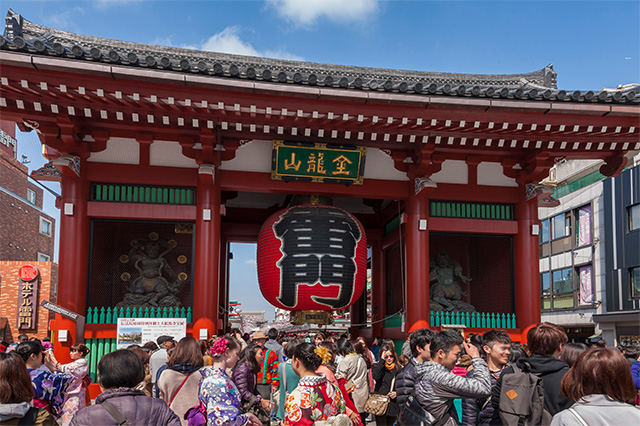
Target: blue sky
[591,44]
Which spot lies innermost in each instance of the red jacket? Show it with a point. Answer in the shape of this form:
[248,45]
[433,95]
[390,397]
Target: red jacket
[268,374]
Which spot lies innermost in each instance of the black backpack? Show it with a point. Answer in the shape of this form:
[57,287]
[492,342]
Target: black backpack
[522,399]
[29,417]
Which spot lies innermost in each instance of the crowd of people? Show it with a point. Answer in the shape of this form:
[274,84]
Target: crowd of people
[328,380]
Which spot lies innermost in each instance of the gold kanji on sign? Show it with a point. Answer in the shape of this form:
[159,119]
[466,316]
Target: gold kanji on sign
[341,165]
[292,164]
[24,321]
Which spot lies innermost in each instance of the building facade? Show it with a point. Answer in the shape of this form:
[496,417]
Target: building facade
[572,264]
[26,240]
[587,284]
[27,232]
[620,320]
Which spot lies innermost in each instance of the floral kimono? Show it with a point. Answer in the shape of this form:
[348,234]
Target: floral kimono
[76,391]
[315,399]
[49,389]
[221,398]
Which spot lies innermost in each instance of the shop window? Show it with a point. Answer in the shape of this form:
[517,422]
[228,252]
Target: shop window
[562,288]
[31,196]
[561,225]
[45,227]
[544,231]
[634,280]
[583,226]
[43,257]
[545,286]
[634,217]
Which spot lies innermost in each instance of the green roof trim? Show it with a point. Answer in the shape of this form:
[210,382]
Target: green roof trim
[579,183]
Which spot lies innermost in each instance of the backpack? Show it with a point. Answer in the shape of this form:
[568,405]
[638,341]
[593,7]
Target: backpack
[522,398]
[30,416]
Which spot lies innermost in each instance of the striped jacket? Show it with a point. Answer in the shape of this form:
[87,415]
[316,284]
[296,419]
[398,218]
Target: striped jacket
[268,374]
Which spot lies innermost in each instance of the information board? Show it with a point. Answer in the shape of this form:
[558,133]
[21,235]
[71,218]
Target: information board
[138,331]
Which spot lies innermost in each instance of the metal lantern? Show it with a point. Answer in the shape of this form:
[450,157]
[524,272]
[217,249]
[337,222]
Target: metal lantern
[312,258]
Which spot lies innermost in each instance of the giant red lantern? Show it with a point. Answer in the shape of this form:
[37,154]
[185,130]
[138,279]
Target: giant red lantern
[312,257]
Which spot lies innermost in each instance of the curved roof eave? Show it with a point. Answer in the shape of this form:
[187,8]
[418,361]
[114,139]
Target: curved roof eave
[23,35]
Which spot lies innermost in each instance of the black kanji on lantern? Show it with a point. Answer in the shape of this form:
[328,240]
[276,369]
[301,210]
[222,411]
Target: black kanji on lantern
[318,246]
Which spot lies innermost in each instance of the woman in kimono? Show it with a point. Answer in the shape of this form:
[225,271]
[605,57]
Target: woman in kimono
[78,368]
[49,388]
[315,400]
[217,392]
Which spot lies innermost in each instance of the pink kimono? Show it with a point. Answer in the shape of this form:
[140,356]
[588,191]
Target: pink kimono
[76,391]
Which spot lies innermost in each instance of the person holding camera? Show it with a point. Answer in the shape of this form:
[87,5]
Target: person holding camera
[437,387]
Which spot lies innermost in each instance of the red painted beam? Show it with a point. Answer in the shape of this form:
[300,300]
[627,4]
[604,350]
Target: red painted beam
[473,226]
[241,232]
[477,193]
[143,175]
[262,182]
[96,209]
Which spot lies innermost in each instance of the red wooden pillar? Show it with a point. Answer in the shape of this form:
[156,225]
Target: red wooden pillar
[223,288]
[73,272]
[207,260]
[526,266]
[378,303]
[417,255]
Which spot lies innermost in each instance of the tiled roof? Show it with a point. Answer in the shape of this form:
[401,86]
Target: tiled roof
[25,36]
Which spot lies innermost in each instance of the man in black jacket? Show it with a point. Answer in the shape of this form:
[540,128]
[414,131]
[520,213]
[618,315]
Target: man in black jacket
[545,343]
[496,345]
[405,381]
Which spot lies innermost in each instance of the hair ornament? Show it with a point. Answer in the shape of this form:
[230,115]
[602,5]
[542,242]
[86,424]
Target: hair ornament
[323,353]
[219,347]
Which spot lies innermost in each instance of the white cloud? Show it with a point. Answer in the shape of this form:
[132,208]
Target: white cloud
[305,12]
[281,54]
[229,41]
[64,20]
[168,41]
[250,262]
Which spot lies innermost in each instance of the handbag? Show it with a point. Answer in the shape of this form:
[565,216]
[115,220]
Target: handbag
[256,409]
[379,404]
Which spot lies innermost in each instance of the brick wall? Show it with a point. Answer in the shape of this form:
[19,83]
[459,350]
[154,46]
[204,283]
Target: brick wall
[8,145]
[20,237]
[9,286]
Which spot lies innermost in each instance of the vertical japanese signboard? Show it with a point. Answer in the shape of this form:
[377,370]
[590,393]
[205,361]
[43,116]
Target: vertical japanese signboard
[318,162]
[28,297]
[586,285]
[584,226]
